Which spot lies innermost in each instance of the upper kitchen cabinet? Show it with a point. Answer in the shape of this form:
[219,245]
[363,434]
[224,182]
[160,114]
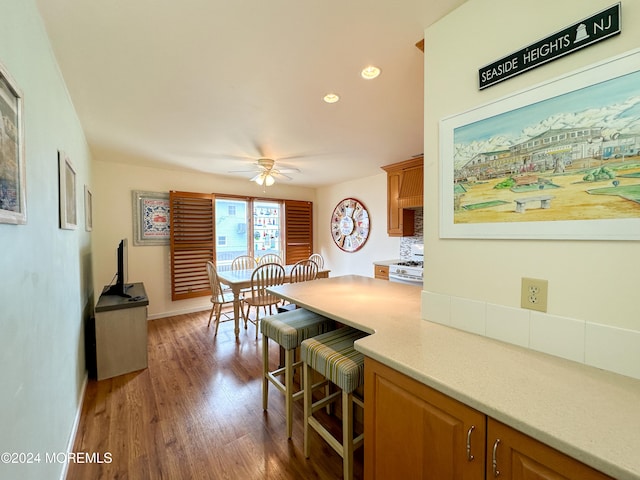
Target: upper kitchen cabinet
[405,181]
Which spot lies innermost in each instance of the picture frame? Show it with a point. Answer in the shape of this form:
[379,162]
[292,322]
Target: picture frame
[88,209]
[560,160]
[151,218]
[67,192]
[12,152]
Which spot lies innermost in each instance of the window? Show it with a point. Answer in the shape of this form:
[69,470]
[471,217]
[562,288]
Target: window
[218,228]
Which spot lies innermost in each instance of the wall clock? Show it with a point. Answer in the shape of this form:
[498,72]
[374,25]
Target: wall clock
[350,225]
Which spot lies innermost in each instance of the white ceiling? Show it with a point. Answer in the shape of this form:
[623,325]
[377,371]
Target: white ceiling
[213,85]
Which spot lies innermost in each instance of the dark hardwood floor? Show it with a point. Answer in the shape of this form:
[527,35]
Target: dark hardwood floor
[196,413]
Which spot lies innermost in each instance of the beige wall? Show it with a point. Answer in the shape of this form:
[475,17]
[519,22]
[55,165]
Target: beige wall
[372,192]
[113,215]
[591,281]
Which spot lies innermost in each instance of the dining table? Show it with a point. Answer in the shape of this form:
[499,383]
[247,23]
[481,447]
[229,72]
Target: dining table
[239,280]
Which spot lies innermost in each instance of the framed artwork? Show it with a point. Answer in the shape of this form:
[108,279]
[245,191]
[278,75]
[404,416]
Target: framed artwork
[558,161]
[151,218]
[88,209]
[350,225]
[12,158]
[67,192]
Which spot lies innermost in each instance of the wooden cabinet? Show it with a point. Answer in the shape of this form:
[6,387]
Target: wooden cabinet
[381,272]
[404,193]
[514,455]
[413,431]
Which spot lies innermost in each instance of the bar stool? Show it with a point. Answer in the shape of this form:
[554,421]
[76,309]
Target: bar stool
[332,355]
[288,330]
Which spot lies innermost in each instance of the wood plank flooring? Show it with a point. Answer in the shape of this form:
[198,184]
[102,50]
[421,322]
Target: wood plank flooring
[196,413]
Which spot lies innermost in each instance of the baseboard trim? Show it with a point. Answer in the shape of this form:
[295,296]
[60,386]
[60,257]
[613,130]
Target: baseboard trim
[177,312]
[76,424]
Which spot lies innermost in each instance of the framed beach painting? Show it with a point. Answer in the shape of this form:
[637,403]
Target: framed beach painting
[558,161]
[12,166]
[150,218]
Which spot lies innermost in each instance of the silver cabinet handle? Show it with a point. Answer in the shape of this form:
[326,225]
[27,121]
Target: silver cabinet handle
[470,457]
[494,458]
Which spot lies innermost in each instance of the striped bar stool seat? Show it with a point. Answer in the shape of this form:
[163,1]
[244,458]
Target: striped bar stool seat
[288,330]
[333,355]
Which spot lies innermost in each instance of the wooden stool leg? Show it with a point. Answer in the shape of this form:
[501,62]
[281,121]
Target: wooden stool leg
[308,400]
[347,435]
[265,371]
[288,383]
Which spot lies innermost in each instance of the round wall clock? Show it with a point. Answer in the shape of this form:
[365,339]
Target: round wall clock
[350,225]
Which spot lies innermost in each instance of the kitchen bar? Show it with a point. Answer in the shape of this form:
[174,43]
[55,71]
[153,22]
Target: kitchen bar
[588,414]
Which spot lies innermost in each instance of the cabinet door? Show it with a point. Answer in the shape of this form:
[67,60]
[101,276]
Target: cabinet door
[414,432]
[514,455]
[399,220]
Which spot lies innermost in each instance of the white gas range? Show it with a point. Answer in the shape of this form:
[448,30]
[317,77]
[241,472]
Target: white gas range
[409,271]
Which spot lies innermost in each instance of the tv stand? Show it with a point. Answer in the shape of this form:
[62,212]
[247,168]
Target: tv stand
[121,332]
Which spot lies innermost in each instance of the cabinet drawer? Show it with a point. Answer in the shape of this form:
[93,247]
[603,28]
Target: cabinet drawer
[381,272]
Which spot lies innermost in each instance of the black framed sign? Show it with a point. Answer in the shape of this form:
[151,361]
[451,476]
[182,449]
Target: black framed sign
[588,31]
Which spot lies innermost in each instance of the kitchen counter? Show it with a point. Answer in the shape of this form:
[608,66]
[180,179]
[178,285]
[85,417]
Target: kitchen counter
[589,414]
[386,263]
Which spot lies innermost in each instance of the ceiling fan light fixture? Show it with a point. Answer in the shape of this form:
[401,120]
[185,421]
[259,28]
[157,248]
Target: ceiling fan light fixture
[265,178]
[269,180]
[370,72]
[331,98]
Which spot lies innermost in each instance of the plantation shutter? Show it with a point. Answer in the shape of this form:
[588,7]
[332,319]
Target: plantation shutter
[192,243]
[298,217]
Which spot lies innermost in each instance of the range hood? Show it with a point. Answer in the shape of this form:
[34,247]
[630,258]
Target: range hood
[412,187]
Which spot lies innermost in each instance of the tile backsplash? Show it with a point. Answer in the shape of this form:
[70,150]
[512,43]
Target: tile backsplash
[601,346]
[406,242]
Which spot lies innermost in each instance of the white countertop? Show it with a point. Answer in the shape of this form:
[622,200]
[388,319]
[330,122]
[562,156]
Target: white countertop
[589,414]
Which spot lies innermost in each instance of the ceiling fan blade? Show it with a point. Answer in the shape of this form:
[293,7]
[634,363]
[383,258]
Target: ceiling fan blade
[288,170]
[278,173]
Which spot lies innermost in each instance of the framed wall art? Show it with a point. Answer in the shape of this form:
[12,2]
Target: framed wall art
[12,158]
[151,218]
[67,193]
[558,161]
[88,209]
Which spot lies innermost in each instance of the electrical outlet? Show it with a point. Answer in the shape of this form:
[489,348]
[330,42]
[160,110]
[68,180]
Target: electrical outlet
[534,294]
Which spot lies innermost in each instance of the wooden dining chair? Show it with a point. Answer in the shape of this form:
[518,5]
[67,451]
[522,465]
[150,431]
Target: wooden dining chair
[304,270]
[264,276]
[271,258]
[316,257]
[244,262]
[219,298]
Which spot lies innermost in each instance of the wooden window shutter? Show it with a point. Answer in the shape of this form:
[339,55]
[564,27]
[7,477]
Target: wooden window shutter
[192,243]
[298,230]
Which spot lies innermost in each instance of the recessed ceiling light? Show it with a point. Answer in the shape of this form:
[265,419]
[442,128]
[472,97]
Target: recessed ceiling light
[370,72]
[331,97]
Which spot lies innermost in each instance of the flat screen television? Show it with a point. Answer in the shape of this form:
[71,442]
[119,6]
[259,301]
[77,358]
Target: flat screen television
[120,286]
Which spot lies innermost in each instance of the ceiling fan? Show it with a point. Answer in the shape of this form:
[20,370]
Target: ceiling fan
[266,172]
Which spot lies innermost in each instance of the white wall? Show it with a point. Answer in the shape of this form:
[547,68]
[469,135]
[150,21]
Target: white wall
[590,282]
[372,192]
[151,264]
[45,285]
